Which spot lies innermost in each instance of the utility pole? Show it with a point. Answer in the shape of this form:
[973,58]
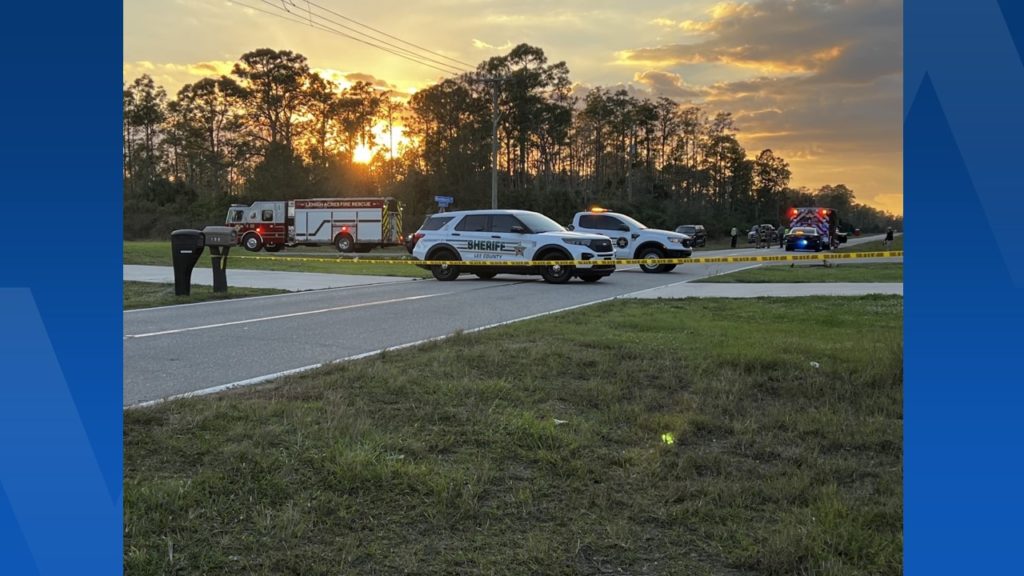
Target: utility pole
[495,118]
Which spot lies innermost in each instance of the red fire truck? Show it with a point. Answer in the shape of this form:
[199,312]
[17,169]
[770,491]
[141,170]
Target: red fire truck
[350,224]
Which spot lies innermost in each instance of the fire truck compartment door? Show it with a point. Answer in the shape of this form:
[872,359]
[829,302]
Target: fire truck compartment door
[313,226]
[369,226]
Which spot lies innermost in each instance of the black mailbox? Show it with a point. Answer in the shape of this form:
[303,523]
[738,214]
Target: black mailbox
[186,248]
[220,239]
[220,236]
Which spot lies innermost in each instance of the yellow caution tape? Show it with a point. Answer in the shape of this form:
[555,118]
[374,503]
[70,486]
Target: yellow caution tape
[616,262]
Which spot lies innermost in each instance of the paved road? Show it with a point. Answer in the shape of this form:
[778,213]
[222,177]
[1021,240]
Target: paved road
[182,349]
[178,349]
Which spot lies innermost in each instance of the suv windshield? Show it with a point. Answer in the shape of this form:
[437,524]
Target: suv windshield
[538,223]
[435,222]
[687,229]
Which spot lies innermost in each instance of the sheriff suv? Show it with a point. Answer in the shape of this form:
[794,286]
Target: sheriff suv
[634,240]
[509,235]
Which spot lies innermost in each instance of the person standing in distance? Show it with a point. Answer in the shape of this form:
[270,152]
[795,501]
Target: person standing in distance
[734,234]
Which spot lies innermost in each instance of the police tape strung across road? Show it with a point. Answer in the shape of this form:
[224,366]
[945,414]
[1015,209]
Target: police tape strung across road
[616,262]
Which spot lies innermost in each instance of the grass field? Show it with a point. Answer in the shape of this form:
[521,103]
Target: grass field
[158,253]
[801,273]
[876,246]
[151,294]
[657,437]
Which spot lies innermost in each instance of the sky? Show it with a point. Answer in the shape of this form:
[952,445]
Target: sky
[817,81]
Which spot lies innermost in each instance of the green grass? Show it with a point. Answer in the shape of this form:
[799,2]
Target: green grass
[158,253]
[151,294]
[537,448]
[835,272]
[725,243]
[876,246]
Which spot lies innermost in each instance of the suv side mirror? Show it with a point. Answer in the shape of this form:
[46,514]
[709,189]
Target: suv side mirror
[570,227]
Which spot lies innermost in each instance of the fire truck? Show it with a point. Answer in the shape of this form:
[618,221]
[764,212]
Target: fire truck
[824,220]
[350,224]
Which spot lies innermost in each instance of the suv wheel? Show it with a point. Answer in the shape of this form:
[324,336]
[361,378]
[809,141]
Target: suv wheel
[652,253]
[444,272]
[556,274]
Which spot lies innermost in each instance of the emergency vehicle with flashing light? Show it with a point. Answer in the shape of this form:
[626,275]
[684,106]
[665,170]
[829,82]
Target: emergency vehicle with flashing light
[804,238]
[350,224]
[509,235]
[632,239]
[824,220]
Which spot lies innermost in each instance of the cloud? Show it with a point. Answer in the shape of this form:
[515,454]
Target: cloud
[481,45]
[370,79]
[173,76]
[853,40]
[668,85]
[818,81]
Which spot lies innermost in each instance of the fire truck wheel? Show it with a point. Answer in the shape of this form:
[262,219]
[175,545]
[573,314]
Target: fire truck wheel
[344,243]
[252,243]
[445,272]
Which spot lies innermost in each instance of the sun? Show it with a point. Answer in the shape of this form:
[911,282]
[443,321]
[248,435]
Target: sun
[362,154]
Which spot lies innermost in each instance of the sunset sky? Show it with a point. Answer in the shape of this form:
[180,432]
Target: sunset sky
[817,81]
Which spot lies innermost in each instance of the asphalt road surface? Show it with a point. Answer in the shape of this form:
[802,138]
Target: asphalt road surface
[175,350]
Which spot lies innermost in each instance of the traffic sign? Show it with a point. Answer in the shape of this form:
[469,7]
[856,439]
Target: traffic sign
[444,200]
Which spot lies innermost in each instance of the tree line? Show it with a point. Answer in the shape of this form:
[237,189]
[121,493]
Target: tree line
[274,129]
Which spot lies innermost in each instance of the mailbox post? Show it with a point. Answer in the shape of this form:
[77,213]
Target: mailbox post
[220,239]
[186,248]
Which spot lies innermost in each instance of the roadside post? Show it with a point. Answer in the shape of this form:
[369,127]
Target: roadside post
[220,239]
[186,248]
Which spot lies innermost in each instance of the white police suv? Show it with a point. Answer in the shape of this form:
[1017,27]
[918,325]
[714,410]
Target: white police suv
[509,235]
[634,240]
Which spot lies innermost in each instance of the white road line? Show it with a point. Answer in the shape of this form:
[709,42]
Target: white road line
[278,317]
[314,291]
[268,377]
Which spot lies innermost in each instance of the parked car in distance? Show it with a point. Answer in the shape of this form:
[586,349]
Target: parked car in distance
[695,231]
[771,234]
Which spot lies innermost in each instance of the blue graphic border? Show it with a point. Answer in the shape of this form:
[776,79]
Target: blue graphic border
[963,80]
[60,289]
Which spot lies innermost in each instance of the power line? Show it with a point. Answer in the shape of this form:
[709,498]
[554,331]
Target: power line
[403,53]
[342,16]
[371,37]
[314,20]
